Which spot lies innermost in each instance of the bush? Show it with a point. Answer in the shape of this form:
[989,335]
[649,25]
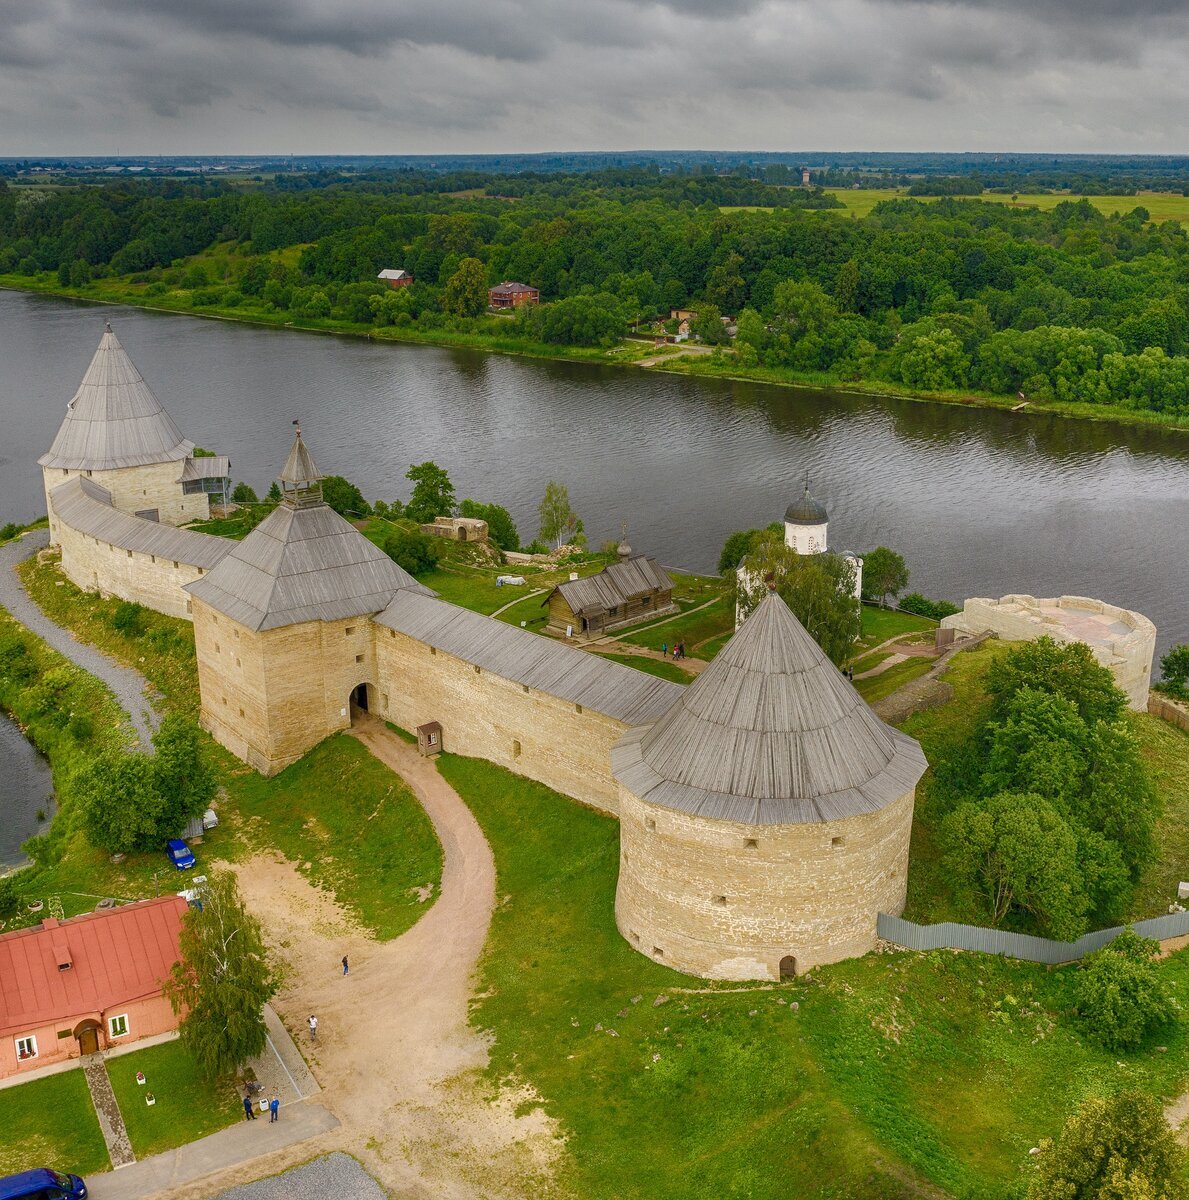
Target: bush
[128,619]
[416,552]
[10,898]
[16,663]
[1174,666]
[1122,995]
[80,727]
[914,602]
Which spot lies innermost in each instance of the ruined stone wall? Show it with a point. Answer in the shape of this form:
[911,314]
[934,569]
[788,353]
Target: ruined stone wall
[137,489]
[97,566]
[729,901]
[553,741]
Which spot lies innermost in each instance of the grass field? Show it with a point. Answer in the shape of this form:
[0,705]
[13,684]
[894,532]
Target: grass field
[187,1107]
[662,670]
[876,687]
[51,1123]
[895,1073]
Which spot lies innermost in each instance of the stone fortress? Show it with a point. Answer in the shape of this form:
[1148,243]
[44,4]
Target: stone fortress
[765,811]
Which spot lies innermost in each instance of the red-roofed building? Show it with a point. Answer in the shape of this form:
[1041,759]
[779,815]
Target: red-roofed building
[73,987]
[512,295]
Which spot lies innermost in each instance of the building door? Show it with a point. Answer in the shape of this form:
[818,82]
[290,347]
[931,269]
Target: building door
[88,1037]
[462,534]
[359,697]
[788,967]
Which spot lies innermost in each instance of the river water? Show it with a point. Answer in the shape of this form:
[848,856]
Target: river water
[25,789]
[979,502]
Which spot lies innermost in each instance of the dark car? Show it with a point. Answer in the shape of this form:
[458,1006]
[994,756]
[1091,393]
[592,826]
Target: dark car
[180,854]
[42,1184]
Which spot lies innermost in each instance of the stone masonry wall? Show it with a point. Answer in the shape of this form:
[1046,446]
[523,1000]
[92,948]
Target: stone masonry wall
[136,489]
[97,566]
[729,901]
[483,715]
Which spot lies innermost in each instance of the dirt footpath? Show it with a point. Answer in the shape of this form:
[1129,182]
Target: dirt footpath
[397,1061]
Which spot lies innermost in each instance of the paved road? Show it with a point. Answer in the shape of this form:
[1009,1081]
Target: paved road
[337,1175]
[128,685]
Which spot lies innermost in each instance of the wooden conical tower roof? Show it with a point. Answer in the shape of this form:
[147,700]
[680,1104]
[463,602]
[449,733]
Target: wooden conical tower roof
[114,420]
[770,733]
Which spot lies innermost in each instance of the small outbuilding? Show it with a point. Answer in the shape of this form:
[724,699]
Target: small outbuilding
[395,277]
[75,987]
[512,295]
[631,590]
[457,529]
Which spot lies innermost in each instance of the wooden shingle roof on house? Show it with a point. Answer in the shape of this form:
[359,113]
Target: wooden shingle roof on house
[114,420]
[622,693]
[771,733]
[86,507]
[615,585]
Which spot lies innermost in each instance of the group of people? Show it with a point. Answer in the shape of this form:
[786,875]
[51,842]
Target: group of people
[678,650]
[274,1107]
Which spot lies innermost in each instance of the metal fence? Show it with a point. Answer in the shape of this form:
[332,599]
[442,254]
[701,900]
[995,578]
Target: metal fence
[947,935]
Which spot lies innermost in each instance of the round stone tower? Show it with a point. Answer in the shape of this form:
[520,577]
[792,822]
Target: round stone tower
[765,818]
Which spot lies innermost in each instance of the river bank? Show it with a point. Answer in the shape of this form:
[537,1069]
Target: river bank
[628,353]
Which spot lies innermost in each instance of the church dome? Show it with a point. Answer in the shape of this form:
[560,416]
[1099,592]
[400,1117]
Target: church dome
[806,511]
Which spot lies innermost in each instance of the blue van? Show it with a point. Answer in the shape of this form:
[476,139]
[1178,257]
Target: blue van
[42,1184]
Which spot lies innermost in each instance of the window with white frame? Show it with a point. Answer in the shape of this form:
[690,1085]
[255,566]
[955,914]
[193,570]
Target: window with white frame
[26,1048]
[118,1026]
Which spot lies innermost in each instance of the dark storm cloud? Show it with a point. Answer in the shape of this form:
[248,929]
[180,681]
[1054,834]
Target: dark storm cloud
[438,75]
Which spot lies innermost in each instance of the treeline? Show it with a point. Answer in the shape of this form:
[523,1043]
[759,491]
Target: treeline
[944,296]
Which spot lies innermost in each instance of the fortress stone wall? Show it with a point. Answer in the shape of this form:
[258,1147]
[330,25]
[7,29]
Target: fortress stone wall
[1120,639]
[135,490]
[730,901]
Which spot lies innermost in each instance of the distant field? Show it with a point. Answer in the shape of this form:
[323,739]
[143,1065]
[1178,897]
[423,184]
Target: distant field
[1163,206]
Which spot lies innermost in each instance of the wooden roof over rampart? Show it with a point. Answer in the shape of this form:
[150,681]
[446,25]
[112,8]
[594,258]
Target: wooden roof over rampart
[114,420]
[85,506]
[770,733]
[614,585]
[532,660]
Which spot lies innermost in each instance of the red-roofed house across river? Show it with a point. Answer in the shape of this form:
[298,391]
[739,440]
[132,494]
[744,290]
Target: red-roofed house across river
[74,987]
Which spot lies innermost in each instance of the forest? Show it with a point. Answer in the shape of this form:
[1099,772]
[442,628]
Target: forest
[945,295]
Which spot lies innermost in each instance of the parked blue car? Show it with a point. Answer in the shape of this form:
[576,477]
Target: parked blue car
[42,1184]
[180,854]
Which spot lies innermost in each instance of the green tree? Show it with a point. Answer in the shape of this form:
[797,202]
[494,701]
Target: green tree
[243,494]
[1065,670]
[185,780]
[1113,1148]
[559,522]
[934,361]
[884,574]
[433,493]
[1121,993]
[344,497]
[501,529]
[1019,854]
[1040,746]
[465,293]
[708,326]
[819,588]
[1174,667]
[415,551]
[222,981]
[734,548]
[804,306]
[274,491]
[846,286]
[120,803]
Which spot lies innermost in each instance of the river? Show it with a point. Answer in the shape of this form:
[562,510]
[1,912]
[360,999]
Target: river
[979,501]
[26,789]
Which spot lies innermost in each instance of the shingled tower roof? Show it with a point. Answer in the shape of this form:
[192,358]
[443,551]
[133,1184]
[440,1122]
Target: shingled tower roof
[771,733]
[114,420]
[303,562]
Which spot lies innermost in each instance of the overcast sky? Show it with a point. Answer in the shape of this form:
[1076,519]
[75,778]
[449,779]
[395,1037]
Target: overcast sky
[467,76]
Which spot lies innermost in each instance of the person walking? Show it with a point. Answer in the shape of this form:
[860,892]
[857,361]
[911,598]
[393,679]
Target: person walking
[274,1107]
[664,649]
[345,967]
[249,1115]
[313,1029]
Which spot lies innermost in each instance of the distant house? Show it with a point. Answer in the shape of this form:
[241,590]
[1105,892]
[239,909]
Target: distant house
[627,591]
[75,987]
[458,529]
[395,278]
[682,314]
[512,295]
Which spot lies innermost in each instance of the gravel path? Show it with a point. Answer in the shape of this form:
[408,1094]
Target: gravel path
[337,1175]
[129,686]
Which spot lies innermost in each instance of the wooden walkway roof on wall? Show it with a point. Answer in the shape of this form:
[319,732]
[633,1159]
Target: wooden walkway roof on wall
[527,658]
[302,564]
[771,733]
[114,420]
[614,585]
[83,505]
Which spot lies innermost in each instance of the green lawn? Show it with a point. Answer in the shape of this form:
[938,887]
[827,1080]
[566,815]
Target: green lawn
[695,626]
[876,687]
[897,1072]
[187,1107]
[51,1123]
[662,670]
[352,826]
[879,624]
[1165,750]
